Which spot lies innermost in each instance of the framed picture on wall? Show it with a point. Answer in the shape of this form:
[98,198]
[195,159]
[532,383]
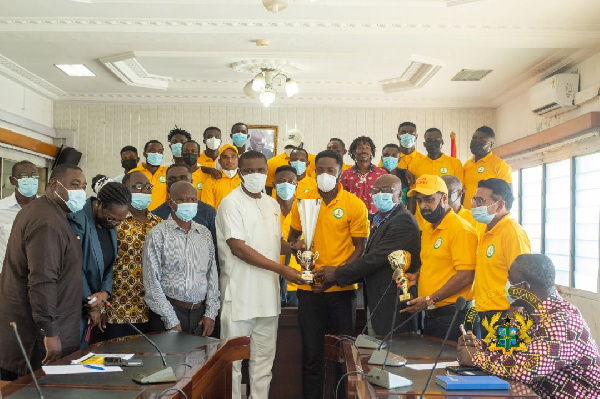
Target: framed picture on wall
[263,138]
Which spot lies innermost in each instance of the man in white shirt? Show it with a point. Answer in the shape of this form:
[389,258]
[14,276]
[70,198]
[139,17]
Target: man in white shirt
[249,240]
[24,176]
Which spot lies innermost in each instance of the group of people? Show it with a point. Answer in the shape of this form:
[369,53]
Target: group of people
[207,243]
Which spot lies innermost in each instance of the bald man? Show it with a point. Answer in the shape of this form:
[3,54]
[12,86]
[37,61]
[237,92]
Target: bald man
[182,285]
[393,228]
[455,193]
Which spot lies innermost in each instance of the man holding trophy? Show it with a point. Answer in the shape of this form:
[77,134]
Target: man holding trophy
[335,226]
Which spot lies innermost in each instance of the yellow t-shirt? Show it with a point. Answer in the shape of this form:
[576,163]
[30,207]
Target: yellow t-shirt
[449,248]
[468,216]
[283,159]
[198,179]
[486,168]
[444,165]
[214,190]
[346,166]
[205,160]
[285,229]
[496,252]
[159,181]
[343,218]
[405,160]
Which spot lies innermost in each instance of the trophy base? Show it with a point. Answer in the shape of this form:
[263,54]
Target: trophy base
[307,276]
[404,298]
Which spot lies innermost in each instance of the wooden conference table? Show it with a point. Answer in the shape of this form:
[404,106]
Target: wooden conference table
[202,366]
[417,349]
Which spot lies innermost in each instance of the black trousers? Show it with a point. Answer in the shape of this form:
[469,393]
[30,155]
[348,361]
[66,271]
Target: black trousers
[320,314]
[189,319]
[118,330]
[437,322]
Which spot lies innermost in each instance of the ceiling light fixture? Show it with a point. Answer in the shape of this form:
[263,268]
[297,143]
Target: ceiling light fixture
[275,5]
[270,77]
[75,69]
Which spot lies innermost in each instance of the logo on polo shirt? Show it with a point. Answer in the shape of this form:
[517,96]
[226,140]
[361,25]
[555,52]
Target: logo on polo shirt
[491,250]
[338,213]
[199,186]
[162,179]
[443,170]
[438,243]
[306,190]
[481,169]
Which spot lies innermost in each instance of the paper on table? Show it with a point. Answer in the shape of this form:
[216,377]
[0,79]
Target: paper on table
[428,366]
[77,369]
[101,355]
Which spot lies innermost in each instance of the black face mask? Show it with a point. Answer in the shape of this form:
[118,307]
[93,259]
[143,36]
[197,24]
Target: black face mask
[190,159]
[436,215]
[128,164]
[477,148]
[433,147]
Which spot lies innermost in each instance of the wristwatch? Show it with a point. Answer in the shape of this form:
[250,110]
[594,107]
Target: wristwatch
[430,303]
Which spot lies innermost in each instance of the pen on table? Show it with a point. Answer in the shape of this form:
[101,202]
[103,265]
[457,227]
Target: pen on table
[93,367]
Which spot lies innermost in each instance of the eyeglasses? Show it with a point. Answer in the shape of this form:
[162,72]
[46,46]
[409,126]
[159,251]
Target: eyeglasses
[479,201]
[141,186]
[26,175]
[388,190]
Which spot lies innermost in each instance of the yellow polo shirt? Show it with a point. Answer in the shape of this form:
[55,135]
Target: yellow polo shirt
[283,159]
[198,179]
[346,166]
[468,216]
[205,160]
[486,168]
[445,250]
[214,190]
[158,180]
[444,165]
[497,250]
[285,229]
[405,160]
[345,217]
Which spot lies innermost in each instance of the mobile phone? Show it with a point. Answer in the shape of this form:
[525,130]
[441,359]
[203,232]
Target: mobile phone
[113,361]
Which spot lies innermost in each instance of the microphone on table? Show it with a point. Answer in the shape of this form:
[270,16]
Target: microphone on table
[366,341]
[154,375]
[14,326]
[460,304]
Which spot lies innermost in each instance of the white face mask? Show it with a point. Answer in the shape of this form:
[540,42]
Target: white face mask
[230,173]
[213,143]
[255,182]
[326,182]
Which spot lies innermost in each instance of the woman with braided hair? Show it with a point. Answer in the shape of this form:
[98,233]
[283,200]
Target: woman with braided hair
[95,228]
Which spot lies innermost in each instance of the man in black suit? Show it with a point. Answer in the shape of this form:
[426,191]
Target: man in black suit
[392,228]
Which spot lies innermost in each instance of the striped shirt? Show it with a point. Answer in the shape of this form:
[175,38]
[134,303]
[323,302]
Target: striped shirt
[180,266]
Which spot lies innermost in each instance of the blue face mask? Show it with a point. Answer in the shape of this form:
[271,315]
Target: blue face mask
[154,158]
[285,191]
[390,163]
[140,201]
[299,166]
[28,187]
[76,199]
[481,214]
[186,211]
[407,140]
[508,286]
[176,149]
[239,139]
[384,202]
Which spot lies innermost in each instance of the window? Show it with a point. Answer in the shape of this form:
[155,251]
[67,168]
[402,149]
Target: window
[531,205]
[515,210]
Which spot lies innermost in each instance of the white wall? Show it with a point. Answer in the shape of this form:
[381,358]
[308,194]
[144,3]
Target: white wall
[24,102]
[102,130]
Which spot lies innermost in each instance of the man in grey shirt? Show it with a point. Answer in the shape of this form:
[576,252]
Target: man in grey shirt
[180,272]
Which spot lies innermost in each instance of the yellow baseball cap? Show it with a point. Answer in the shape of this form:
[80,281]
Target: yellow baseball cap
[428,184]
[227,147]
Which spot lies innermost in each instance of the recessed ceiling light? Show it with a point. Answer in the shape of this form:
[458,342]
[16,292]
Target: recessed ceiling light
[471,75]
[75,69]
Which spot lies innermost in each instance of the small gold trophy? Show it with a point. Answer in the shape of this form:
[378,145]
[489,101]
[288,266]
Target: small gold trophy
[400,262]
[309,213]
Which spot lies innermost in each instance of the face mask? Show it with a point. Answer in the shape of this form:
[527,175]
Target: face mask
[230,173]
[288,151]
[407,140]
[481,214]
[477,148]
[299,166]
[383,201]
[176,149]
[213,143]
[435,216]
[154,158]
[140,201]
[433,147]
[28,187]
[508,287]
[326,182]
[76,199]
[186,211]
[390,163]
[239,139]
[190,159]
[255,182]
[128,164]
[285,191]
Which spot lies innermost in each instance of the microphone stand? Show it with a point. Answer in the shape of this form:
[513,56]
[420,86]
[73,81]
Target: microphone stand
[35,381]
[366,341]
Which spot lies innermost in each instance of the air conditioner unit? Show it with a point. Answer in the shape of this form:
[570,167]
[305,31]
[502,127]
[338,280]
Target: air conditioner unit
[554,93]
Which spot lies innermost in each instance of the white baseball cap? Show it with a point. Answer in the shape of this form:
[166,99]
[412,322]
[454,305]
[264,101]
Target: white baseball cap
[293,137]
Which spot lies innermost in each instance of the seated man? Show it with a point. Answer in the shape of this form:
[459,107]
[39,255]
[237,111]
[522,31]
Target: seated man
[561,360]
[179,268]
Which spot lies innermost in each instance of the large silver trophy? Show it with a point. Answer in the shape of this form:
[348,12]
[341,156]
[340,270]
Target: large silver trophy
[400,263]
[309,213]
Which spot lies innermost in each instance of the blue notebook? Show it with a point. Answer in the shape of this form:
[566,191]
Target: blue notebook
[468,382]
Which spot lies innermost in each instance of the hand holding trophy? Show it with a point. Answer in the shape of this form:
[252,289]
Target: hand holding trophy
[309,213]
[400,262]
